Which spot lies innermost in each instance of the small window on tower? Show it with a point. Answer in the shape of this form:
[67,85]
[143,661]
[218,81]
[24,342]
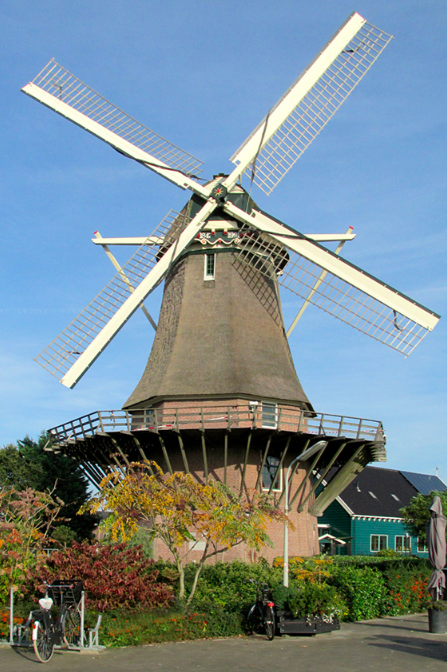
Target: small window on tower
[209,266]
[271,474]
[269,415]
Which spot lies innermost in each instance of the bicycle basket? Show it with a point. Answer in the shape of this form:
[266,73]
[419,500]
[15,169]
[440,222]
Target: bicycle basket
[68,591]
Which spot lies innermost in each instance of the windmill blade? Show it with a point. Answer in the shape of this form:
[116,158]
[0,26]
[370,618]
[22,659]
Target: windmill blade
[61,91]
[70,355]
[333,284]
[122,274]
[299,116]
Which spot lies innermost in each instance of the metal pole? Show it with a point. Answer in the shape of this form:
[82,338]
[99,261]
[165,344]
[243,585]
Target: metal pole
[308,452]
[286,525]
[81,639]
[11,615]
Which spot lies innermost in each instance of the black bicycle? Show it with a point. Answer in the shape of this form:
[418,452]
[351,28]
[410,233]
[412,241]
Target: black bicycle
[48,632]
[262,613]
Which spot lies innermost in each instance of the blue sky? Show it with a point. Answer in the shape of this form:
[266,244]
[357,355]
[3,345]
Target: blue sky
[203,74]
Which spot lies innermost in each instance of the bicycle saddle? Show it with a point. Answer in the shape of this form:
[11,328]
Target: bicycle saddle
[46,603]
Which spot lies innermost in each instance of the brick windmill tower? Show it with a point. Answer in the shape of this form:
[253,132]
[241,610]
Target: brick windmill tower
[220,397]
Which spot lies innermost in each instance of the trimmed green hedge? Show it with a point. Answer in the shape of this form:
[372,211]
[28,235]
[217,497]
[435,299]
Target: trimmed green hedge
[360,588]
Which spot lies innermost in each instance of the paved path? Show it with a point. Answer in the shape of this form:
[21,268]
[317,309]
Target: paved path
[399,644]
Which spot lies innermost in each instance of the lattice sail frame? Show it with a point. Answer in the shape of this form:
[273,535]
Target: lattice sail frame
[311,115]
[59,356]
[328,292]
[60,83]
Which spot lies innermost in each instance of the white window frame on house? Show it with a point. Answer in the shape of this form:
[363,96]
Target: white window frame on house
[269,417]
[209,266]
[379,538]
[268,471]
[402,543]
[421,546]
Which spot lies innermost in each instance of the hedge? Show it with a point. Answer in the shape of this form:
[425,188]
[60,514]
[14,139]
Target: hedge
[364,588]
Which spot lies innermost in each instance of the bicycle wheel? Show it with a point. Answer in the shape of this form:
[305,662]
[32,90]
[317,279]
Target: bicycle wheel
[71,627]
[252,619]
[269,622]
[43,646]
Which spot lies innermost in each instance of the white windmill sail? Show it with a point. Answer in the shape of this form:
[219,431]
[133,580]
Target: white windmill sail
[268,153]
[299,116]
[64,93]
[62,353]
[345,291]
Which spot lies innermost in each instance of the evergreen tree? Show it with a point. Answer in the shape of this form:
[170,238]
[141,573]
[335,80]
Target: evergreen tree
[28,465]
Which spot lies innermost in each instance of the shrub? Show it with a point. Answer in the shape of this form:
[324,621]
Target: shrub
[406,589]
[229,585]
[388,553]
[310,599]
[363,589]
[113,576]
[142,627]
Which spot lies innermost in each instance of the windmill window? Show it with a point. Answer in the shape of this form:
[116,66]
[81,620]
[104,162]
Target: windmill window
[210,263]
[270,476]
[148,416]
[269,415]
[379,542]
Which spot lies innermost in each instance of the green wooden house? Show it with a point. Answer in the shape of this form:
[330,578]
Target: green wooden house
[365,518]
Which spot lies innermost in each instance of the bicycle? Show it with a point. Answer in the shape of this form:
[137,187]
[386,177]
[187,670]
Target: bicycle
[262,613]
[66,629]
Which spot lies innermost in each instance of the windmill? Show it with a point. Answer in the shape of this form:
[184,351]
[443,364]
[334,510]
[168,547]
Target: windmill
[220,394]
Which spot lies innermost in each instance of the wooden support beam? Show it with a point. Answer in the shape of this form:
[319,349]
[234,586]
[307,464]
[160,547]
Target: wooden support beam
[205,457]
[322,476]
[143,454]
[101,464]
[281,461]
[112,455]
[244,469]
[165,455]
[91,474]
[267,448]
[94,468]
[308,475]
[341,480]
[306,445]
[182,450]
[118,447]
[104,456]
[225,457]
[228,419]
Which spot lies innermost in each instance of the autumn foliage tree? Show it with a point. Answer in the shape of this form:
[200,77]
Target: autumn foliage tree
[26,517]
[178,509]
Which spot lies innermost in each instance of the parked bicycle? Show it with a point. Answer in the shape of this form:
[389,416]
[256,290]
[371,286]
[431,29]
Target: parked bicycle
[48,632]
[262,613]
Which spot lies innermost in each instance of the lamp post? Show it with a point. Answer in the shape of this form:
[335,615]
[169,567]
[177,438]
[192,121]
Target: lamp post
[319,446]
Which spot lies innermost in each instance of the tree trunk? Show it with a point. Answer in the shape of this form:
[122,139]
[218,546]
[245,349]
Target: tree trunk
[197,574]
[181,571]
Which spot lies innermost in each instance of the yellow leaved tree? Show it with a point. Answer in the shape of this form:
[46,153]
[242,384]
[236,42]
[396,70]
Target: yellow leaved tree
[178,510]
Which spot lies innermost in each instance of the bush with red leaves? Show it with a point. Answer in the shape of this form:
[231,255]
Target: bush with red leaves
[113,576]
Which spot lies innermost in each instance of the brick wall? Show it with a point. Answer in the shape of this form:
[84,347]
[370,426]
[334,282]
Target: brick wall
[303,540]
